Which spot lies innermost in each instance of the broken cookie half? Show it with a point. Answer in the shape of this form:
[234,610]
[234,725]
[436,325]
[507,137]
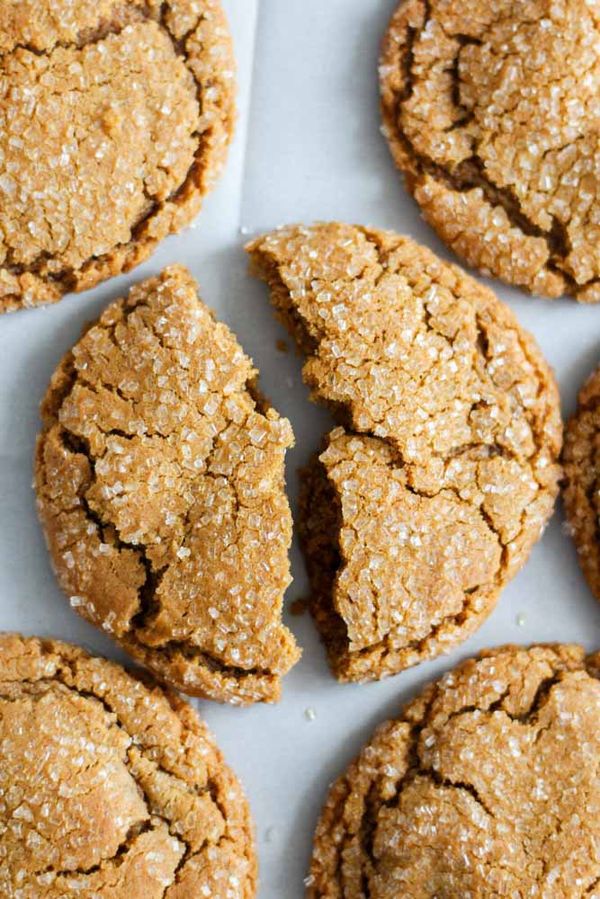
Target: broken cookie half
[443,471]
[160,484]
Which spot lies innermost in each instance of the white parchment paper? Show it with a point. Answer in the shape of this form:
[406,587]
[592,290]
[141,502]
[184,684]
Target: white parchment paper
[307,147]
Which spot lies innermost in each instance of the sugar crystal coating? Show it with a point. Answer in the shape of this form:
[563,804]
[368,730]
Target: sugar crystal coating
[115,116]
[160,482]
[443,472]
[110,787]
[485,786]
[491,111]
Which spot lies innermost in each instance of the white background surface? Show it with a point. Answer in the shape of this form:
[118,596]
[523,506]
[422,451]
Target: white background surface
[307,147]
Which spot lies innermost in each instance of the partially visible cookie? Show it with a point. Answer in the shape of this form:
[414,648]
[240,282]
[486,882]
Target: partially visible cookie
[160,483]
[581,488]
[115,116]
[439,480]
[486,785]
[110,787]
[491,113]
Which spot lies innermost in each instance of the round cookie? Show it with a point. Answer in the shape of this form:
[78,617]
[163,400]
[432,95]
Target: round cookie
[486,785]
[160,484]
[581,486]
[490,111]
[439,480]
[111,787]
[115,116]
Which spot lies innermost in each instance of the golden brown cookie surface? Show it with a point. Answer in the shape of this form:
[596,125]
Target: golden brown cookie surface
[581,489]
[491,112]
[115,116]
[430,495]
[485,786]
[110,787]
[160,483]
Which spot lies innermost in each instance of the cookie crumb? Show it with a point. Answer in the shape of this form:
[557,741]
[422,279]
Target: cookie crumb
[521,619]
[299,606]
[310,714]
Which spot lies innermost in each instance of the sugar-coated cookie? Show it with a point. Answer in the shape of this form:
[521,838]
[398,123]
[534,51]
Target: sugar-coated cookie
[581,488]
[486,785]
[491,113]
[111,787]
[115,116]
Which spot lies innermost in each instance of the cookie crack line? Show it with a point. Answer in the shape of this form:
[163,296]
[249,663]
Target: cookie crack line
[470,174]
[141,827]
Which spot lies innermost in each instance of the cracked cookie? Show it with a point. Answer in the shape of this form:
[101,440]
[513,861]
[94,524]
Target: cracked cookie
[443,472]
[160,484]
[111,787]
[581,487]
[486,785]
[491,113]
[115,116]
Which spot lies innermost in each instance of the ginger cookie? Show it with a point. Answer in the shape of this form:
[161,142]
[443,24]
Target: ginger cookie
[111,787]
[115,116]
[581,488]
[491,113]
[430,494]
[160,484]
[486,785]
